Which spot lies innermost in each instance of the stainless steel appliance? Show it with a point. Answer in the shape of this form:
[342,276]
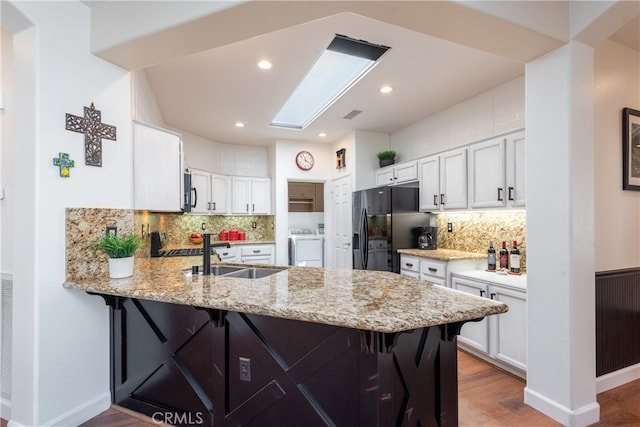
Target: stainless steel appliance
[383,222]
[188,202]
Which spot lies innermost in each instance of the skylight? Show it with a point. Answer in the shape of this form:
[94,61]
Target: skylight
[339,67]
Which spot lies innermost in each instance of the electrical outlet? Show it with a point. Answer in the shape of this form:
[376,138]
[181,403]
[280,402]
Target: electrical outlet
[203,226]
[111,229]
[449,227]
[254,224]
[245,368]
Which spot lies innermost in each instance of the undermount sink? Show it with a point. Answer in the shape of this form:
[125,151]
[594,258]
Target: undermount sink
[221,270]
[238,272]
[253,273]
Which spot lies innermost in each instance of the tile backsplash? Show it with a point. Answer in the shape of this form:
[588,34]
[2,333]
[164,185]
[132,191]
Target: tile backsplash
[175,228]
[473,230]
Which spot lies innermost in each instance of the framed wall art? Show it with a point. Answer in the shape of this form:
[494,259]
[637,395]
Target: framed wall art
[630,149]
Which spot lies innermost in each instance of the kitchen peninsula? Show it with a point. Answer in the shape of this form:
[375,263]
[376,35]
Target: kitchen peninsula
[302,346]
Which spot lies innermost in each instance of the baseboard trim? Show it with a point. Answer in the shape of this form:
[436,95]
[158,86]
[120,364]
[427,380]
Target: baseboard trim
[583,416]
[617,378]
[82,413]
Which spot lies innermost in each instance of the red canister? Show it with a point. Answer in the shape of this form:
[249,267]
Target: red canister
[224,235]
[242,235]
[233,234]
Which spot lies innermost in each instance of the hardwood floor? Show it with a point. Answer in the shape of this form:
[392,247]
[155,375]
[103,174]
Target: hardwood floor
[487,397]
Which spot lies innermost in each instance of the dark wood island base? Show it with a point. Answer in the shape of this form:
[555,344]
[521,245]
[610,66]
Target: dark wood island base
[185,365]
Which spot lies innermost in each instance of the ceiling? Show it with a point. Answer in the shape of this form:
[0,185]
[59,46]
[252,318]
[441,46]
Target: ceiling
[207,92]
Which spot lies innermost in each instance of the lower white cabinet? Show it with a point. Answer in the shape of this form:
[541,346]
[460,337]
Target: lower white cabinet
[410,266]
[435,270]
[500,339]
[257,254]
[228,254]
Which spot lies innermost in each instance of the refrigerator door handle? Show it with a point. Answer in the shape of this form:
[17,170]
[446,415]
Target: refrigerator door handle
[365,247]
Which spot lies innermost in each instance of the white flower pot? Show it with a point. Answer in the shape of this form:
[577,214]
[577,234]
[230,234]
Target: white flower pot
[120,267]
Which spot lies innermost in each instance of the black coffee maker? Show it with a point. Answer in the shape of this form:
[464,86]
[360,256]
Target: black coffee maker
[427,237]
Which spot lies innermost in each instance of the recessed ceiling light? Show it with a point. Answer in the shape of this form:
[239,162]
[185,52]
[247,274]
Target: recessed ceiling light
[386,89]
[322,134]
[239,124]
[265,65]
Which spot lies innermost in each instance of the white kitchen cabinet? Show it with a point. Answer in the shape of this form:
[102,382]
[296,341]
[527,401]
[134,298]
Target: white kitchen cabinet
[516,168]
[435,270]
[210,192]
[410,266]
[250,196]
[497,172]
[487,174]
[227,254]
[158,169]
[500,339]
[257,254]
[402,173]
[443,181]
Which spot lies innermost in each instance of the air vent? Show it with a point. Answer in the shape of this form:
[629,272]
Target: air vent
[352,114]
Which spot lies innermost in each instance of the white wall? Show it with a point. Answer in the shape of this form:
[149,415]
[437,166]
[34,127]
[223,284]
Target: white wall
[6,150]
[617,212]
[60,348]
[491,113]
[144,107]
[285,170]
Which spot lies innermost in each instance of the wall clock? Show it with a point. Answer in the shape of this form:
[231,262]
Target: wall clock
[304,160]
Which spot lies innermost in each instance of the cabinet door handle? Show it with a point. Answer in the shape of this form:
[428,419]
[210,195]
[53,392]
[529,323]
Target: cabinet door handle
[195,194]
[510,193]
[493,295]
[499,194]
[256,251]
[247,207]
[433,270]
[214,206]
[435,200]
[253,207]
[225,253]
[442,198]
[408,264]
[481,292]
[208,206]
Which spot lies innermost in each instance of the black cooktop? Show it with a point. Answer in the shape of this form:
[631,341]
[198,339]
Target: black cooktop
[182,252]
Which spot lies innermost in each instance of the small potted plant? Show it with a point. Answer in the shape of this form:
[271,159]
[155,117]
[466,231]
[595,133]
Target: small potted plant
[386,158]
[120,250]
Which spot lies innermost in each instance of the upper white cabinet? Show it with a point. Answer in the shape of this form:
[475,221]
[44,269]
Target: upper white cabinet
[401,173]
[443,181]
[487,174]
[158,180]
[210,193]
[516,169]
[497,172]
[250,196]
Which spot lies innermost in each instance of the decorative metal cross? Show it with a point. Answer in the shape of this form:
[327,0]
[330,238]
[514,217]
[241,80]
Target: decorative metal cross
[93,131]
[64,163]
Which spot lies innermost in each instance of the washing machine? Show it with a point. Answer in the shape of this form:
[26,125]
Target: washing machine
[306,248]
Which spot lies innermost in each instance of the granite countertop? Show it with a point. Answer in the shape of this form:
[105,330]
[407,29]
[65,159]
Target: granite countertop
[368,300]
[442,254]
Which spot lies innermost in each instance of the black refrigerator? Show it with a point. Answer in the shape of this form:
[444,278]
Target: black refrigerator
[384,220]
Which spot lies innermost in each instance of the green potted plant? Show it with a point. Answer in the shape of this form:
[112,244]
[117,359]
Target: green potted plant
[120,250]
[386,158]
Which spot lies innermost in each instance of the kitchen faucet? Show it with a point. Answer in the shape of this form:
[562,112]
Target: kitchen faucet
[206,252]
